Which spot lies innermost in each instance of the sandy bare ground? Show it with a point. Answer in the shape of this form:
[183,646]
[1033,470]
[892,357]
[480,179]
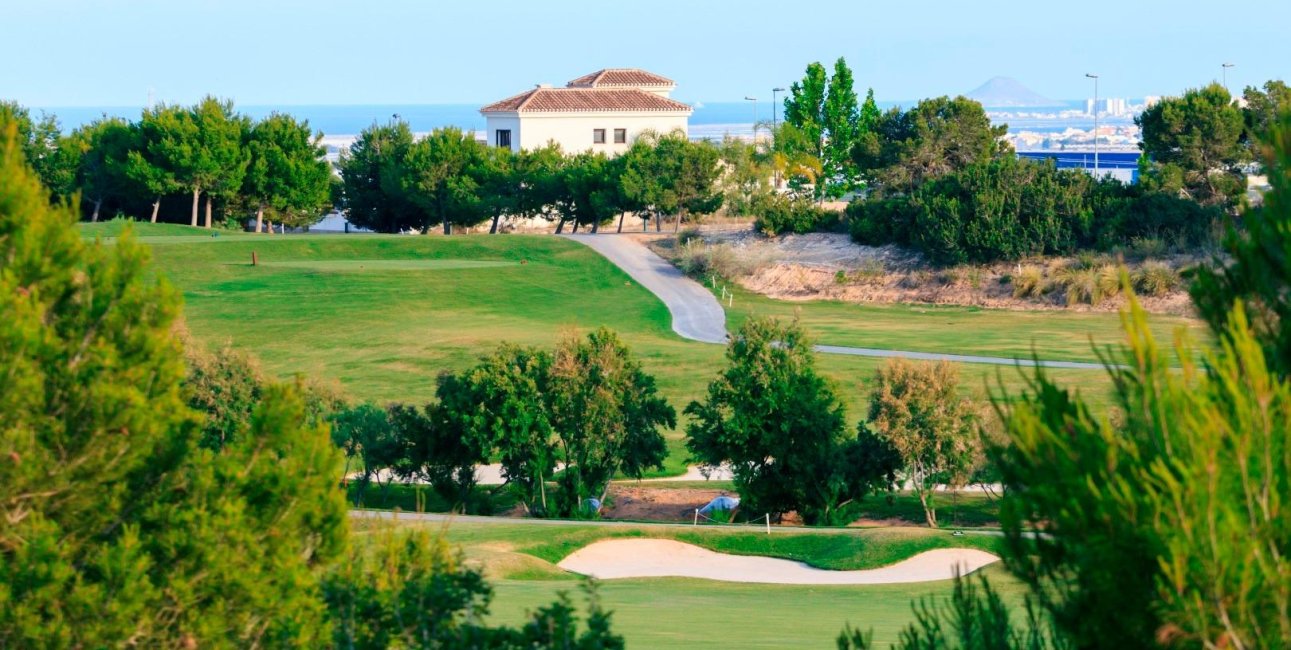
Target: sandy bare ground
[658,558]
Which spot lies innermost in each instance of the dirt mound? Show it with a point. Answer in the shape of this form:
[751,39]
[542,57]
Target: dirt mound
[658,503]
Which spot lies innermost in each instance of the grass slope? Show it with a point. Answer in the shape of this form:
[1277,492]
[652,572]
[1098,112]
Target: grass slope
[385,315]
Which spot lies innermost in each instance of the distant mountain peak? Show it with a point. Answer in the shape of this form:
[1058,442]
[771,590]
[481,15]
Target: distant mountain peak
[1006,92]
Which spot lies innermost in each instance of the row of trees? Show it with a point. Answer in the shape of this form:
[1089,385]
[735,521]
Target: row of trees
[128,518]
[572,417]
[943,183]
[272,168]
[1162,523]
[392,181]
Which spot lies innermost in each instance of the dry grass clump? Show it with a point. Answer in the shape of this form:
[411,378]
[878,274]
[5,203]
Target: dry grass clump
[1086,283]
[1156,279]
[1030,282]
[697,259]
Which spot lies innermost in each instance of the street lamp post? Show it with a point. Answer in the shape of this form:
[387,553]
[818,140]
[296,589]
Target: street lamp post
[1226,66]
[775,110]
[1095,78]
[755,117]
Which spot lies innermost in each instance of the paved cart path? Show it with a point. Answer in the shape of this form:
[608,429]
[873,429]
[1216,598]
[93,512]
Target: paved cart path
[696,314]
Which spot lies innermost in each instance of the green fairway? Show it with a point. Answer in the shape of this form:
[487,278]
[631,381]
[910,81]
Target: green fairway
[689,613]
[384,315]
[1046,334]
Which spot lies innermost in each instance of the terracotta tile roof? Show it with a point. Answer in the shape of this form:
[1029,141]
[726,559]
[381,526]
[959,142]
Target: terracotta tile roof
[564,100]
[621,78]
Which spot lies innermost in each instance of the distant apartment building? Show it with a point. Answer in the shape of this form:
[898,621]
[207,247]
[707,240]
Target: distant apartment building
[1114,106]
[602,111]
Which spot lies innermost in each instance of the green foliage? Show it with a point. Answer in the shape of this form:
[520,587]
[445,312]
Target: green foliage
[669,174]
[906,149]
[586,405]
[1198,136]
[410,591]
[118,525]
[224,386]
[372,180]
[288,176]
[1257,266]
[780,427]
[442,175]
[104,147]
[825,124]
[777,214]
[915,408]
[1263,110]
[746,176]
[1010,209]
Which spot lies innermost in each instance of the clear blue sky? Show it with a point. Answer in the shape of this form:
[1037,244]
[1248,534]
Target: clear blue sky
[294,52]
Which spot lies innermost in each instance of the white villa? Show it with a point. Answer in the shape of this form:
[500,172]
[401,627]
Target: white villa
[602,111]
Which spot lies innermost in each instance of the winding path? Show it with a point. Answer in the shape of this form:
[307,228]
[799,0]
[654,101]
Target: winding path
[696,314]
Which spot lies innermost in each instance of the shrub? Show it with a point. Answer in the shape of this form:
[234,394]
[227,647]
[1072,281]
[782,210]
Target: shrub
[1109,280]
[871,272]
[1156,279]
[700,260]
[1147,247]
[777,214]
[1081,285]
[1030,282]
[688,235]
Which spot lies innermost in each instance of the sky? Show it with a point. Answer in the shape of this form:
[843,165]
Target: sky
[297,52]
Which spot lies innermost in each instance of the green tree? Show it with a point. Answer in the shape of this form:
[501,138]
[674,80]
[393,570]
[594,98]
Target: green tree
[150,164]
[1199,136]
[669,174]
[52,156]
[591,190]
[605,412]
[117,524]
[288,174]
[412,591]
[104,147]
[224,386]
[1263,107]
[780,427]
[842,121]
[746,175]
[441,176]
[916,408]
[502,403]
[804,108]
[372,172]
[905,149]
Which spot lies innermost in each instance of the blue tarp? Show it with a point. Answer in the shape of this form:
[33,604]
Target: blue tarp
[722,503]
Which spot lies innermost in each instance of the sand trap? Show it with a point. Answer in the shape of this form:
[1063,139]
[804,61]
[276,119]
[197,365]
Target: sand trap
[657,558]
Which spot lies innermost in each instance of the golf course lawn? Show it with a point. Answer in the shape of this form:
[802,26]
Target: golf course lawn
[678,612]
[384,315]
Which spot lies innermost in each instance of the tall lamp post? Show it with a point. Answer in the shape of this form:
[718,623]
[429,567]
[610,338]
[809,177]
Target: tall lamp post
[755,117]
[1095,78]
[775,110]
[1226,66]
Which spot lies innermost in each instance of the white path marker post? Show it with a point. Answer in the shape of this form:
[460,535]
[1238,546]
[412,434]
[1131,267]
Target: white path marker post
[696,517]
[768,515]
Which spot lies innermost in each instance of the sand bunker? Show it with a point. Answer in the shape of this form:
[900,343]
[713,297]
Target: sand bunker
[657,558]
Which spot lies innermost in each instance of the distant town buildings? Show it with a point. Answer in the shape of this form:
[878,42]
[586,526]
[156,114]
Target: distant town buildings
[602,111]
[1114,106]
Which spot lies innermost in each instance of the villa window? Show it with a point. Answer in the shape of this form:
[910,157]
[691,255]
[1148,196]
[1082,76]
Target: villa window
[504,138]
[620,136]
[598,136]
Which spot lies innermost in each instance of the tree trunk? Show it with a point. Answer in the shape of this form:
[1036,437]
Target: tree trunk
[658,222]
[208,211]
[929,513]
[596,226]
[260,219]
[560,226]
[493,230]
[197,194]
[676,226]
[156,205]
[575,230]
[97,205]
[622,216]
[270,224]
[448,227]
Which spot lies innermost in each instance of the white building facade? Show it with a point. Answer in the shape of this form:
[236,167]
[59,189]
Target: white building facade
[602,112]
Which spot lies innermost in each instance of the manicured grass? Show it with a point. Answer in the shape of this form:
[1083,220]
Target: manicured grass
[686,613]
[420,305]
[701,614]
[1052,335]
[150,231]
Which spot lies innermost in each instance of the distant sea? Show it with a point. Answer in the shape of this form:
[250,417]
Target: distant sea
[339,123]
